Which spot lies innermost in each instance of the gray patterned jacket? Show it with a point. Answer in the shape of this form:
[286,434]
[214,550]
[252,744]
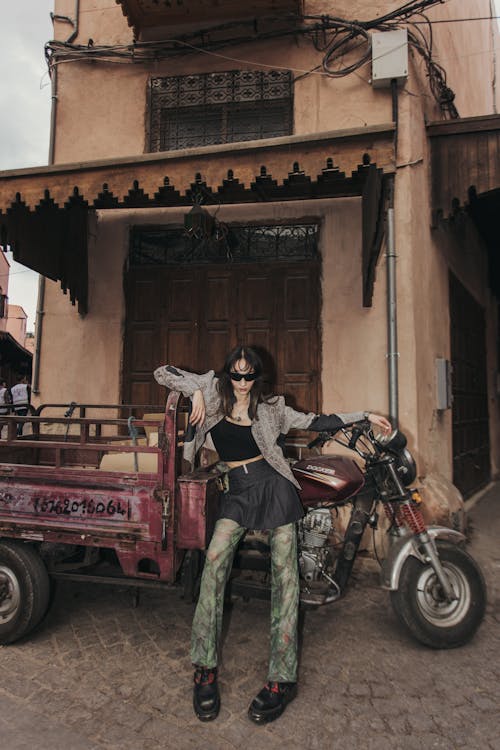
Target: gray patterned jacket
[274,418]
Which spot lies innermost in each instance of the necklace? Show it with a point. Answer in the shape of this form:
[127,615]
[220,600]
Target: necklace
[236,416]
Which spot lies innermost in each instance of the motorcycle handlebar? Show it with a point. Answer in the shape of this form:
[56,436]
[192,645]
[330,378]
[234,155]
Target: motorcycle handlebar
[319,440]
[324,437]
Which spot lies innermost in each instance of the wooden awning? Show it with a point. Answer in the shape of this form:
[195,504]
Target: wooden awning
[43,211]
[147,16]
[465,162]
[13,354]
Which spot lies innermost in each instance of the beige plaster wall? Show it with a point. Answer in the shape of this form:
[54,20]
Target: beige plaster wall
[16,323]
[101,113]
[424,257]
[102,110]
[354,377]
[102,107]
[458,248]
[466,51]
[354,337]
[81,357]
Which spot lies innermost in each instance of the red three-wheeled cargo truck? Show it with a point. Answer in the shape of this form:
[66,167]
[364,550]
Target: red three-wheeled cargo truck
[97,494]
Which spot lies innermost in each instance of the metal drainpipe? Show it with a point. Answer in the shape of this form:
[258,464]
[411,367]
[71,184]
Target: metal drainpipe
[493,37]
[392,310]
[392,318]
[40,308]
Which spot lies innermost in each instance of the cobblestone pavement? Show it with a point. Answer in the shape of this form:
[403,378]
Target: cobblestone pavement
[101,675]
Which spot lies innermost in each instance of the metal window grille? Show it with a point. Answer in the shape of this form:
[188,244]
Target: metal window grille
[244,244]
[211,108]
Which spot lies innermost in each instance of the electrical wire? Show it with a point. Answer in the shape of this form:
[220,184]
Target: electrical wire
[344,44]
[461,20]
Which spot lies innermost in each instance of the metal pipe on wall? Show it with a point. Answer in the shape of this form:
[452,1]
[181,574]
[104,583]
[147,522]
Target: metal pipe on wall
[392,319]
[35,378]
[392,309]
[40,308]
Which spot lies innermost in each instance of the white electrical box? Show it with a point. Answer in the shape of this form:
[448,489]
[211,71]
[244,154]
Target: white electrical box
[389,57]
[444,395]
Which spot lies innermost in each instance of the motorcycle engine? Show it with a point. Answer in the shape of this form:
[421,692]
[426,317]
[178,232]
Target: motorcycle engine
[316,526]
[314,530]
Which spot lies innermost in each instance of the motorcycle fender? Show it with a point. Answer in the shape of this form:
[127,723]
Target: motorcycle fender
[402,548]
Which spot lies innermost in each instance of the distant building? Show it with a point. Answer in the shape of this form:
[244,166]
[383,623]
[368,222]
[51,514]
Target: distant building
[16,323]
[14,356]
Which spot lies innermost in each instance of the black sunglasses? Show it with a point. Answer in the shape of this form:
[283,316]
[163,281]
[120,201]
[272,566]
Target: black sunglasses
[249,376]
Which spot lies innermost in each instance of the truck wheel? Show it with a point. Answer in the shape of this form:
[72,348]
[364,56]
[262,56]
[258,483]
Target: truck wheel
[24,590]
[428,615]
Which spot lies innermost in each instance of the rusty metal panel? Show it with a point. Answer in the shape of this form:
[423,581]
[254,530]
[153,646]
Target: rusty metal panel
[197,509]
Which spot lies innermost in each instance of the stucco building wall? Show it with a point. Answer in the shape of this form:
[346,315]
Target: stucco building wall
[102,113]
[102,107]
[16,323]
[352,336]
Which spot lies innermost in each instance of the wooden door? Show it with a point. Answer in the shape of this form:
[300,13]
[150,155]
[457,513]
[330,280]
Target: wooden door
[471,444]
[191,316]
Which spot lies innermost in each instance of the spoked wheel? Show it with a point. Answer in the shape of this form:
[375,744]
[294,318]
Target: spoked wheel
[430,617]
[24,590]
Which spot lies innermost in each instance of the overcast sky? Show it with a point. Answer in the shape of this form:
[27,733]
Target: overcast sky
[25,109]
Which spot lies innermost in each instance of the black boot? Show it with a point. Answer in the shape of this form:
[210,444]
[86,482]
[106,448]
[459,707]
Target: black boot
[206,699]
[271,701]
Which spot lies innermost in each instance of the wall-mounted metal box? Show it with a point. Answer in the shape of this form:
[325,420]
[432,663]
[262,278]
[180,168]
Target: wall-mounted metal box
[389,57]
[444,396]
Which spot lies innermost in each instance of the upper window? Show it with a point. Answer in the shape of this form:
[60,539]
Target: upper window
[202,110]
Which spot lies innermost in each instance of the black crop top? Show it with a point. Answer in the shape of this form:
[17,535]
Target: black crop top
[234,442]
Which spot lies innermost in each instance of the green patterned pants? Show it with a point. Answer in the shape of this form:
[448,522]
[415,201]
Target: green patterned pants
[207,622]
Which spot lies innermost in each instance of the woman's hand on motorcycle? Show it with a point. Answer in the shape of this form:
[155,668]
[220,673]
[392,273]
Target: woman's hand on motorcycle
[198,410]
[381,422]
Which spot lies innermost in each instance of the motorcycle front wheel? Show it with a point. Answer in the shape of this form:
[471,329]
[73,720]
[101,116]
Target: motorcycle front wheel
[424,610]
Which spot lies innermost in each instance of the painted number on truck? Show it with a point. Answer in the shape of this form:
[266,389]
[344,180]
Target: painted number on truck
[68,507]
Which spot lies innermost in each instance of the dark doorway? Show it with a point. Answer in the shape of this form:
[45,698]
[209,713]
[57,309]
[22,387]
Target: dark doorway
[471,443]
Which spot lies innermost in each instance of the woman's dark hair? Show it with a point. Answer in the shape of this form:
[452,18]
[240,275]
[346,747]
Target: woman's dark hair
[225,386]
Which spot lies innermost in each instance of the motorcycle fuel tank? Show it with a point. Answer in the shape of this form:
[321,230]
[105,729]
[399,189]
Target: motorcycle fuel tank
[327,478]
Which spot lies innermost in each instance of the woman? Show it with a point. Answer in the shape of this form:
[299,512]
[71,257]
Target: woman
[245,427]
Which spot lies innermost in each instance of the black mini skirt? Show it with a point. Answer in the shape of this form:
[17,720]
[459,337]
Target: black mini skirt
[260,498]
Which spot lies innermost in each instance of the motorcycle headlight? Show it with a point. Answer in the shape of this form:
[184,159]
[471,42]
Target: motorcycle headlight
[394,441]
[406,467]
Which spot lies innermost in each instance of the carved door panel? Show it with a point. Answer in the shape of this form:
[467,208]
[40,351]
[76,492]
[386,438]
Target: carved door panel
[192,316]
[141,337]
[217,322]
[298,347]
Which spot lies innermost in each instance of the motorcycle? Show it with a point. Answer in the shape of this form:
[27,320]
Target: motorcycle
[436,588]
